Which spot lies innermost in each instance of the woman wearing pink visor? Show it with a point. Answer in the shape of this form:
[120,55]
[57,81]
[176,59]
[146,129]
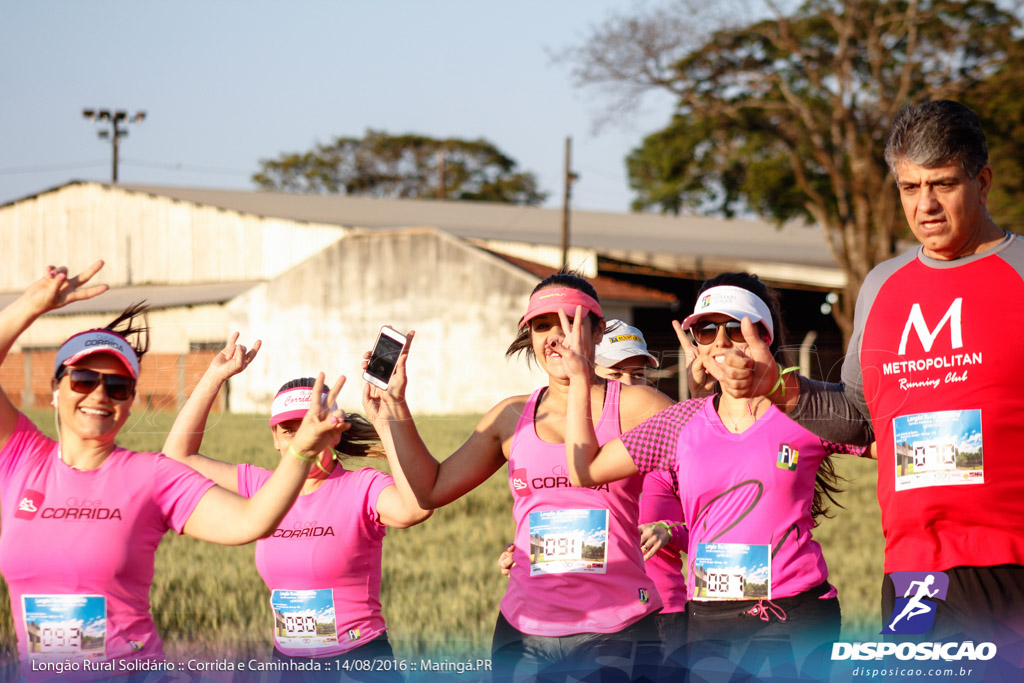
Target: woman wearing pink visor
[578,599]
[323,562]
[82,517]
[751,483]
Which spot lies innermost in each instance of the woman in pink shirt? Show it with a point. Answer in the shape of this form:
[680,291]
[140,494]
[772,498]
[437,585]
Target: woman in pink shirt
[82,518]
[578,600]
[323,562]
[751,483]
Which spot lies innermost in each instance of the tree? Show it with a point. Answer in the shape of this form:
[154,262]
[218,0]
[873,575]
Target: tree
[787,116]
[402,166]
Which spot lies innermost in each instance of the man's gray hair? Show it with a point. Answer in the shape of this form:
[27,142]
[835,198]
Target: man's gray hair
[936,134]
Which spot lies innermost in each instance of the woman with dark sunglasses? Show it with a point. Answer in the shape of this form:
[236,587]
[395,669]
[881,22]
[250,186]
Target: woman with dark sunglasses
[751,482]
[82,517]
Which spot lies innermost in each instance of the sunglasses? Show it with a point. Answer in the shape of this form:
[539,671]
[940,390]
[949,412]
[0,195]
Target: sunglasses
[118,387]
[706,333]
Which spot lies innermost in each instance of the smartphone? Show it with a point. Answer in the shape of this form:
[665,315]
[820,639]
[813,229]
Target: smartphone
[384,356]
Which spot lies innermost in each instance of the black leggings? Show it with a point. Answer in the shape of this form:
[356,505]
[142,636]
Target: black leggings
[790,636]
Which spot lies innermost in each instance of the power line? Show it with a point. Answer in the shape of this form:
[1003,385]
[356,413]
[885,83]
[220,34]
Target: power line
[178,166]
[53,167]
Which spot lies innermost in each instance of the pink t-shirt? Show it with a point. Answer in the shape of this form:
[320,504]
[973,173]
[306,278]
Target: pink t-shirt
[741,490]
[578,566]
[323,563]
[77,546]
[659,502]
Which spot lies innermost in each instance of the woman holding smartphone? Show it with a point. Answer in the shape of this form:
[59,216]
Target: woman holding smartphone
[322,564]
[82,517]
[578,600]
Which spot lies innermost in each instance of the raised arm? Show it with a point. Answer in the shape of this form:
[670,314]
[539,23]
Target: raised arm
[835,412]
[590,463]
[229,519]
[434,483]
[396,505]
[53,290]
[186,435]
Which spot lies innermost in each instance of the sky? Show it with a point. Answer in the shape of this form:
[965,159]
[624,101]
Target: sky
[227,83]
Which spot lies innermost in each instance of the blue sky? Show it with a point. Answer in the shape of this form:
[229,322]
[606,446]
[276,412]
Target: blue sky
[227,83]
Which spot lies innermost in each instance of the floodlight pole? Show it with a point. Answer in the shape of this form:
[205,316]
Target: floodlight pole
[570,178]
[117,119]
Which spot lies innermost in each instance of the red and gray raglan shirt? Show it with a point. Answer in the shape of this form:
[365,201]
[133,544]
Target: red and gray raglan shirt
[936,364]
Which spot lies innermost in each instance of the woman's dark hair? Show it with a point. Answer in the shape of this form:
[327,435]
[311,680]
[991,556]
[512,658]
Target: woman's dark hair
[359,440]
[563,278]
[826,481]
[133,325]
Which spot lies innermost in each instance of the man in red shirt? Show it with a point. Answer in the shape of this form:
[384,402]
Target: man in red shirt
[934,374]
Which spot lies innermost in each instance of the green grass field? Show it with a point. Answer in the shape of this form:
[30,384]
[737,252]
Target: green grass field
[441,587]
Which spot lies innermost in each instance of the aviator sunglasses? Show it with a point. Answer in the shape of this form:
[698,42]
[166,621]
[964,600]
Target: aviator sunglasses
[118,387]
[707,332]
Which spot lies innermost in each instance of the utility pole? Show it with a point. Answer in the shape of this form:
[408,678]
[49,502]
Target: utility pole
[116,119]
[441,174]
[570,178]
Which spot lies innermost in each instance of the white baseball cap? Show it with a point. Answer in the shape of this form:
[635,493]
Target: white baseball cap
[621,341]
[734,302]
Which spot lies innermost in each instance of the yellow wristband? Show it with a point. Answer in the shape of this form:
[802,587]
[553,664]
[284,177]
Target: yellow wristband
[665,524]
[781,382]
[291,449]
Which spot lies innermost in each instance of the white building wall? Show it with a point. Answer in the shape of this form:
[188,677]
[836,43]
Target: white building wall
[463,303]
[148,239]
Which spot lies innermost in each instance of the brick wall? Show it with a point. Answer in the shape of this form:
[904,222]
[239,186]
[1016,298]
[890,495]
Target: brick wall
[165,382]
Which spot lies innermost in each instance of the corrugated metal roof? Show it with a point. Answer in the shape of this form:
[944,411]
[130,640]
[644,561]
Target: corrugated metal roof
[157,296]
[607,288]
[695,244]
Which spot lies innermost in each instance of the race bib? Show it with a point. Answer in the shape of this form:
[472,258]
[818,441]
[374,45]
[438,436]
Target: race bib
[938,449]
[65,627]
[732,571]
[568,541]
[304,620]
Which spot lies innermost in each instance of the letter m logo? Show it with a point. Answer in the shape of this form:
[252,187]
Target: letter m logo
[927,336]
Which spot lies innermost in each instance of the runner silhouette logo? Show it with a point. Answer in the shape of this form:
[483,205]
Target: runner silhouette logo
[914,612]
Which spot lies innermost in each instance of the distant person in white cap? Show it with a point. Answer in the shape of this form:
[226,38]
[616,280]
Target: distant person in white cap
[622,354]
[82,517]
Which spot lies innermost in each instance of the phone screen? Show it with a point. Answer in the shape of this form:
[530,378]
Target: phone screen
[384,357]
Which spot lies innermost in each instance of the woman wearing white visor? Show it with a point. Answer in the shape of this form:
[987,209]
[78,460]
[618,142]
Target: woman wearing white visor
[751,484]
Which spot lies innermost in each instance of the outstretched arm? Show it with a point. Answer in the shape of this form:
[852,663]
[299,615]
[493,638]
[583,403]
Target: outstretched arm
[53,290]
[434,483]
[229,519]
[589,463]
[186,435]
[835,412]
[396,505]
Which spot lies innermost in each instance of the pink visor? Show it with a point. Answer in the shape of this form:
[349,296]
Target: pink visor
[98,341]
[555,299]
[292,404]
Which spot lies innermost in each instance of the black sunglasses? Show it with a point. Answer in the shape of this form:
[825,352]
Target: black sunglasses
[707,332]
[118,387]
